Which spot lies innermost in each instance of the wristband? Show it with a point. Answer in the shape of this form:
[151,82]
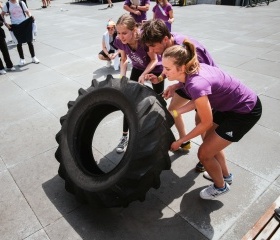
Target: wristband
[175,113]
[160,78]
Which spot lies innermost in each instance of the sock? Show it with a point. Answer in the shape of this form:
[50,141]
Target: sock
[220,189]
[227,176]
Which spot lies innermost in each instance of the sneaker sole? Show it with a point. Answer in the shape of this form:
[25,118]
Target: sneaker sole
[229,183]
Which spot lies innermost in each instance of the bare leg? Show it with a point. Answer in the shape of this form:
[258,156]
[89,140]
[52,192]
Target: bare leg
[110,4]
[212,157]
[44,3]
[177,102]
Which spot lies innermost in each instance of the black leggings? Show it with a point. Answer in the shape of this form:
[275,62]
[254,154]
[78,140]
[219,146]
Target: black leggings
[5,51]
[158,88]
[31,50]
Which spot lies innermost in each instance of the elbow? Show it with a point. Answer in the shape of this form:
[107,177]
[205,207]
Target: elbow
[205,125]
[208,125]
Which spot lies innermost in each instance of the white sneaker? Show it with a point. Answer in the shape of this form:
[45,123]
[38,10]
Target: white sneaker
[11,69]
[35,60]
[2,72]
[211,192]
[123,143]
[108,64]
[21,62]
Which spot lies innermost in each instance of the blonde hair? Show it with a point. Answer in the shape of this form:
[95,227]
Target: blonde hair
[184,55]
[128,21]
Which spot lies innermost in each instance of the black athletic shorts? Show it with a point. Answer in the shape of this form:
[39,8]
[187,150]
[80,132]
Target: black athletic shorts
[104,55]
[233,126]
[136,73]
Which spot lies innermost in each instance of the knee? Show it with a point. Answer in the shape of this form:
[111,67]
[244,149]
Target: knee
[202,155]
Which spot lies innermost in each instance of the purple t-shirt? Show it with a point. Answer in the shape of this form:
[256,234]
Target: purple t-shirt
[139,57]
[225,93]
[163,14]
[202,54]
[143,16]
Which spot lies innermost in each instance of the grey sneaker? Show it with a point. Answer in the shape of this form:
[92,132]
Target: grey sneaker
[226,179]
[122,145]
[211,192]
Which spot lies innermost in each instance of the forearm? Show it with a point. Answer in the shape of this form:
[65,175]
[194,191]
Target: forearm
[105,51]
[28,14]
[196,131]
[123,67]
[129,9]
[185,108]
[152,64]
[143,8]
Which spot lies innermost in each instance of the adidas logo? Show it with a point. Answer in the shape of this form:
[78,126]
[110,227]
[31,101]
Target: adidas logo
[229,133]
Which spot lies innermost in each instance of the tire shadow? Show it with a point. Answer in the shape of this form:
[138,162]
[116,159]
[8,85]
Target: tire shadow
[165,214]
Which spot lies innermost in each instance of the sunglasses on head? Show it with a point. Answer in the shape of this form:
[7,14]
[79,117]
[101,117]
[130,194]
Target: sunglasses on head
[110,28]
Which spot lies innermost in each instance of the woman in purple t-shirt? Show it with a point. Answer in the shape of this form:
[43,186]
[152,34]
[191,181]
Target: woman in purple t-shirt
[226,107]
[138,9]
[143,61]
[163,10]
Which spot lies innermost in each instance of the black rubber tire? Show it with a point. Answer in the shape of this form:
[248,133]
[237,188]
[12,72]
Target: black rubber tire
[146,154]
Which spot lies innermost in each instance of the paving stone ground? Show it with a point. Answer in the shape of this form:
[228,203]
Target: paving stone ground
[34,204]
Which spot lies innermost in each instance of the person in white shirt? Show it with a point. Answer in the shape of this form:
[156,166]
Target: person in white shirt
[21,27]
[109,53]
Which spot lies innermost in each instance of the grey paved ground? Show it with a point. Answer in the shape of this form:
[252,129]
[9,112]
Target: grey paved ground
[34,204]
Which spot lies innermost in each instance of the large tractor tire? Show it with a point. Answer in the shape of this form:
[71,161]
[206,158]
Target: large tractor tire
[146,155]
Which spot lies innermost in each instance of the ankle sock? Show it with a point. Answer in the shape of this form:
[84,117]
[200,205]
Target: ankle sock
[220,189]
[229,176]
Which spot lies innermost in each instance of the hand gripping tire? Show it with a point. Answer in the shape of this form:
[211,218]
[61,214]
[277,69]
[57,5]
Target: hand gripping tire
[146,154]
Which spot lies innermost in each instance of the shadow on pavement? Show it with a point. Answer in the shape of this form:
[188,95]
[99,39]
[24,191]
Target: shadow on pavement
[153,219]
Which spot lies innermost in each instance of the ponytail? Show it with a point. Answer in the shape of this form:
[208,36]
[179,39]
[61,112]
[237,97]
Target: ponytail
[184,55]
[192,63]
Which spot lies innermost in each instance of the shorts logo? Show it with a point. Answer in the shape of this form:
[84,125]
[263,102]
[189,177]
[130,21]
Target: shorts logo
[229,134]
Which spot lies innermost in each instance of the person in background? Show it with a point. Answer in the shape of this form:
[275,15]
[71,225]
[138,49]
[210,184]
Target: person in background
[137,9]
[163,10]
[110,4]
[44,2]
[4,49]
[156,36]
[143,62]
[21,26]
[109,53]
[226,107]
